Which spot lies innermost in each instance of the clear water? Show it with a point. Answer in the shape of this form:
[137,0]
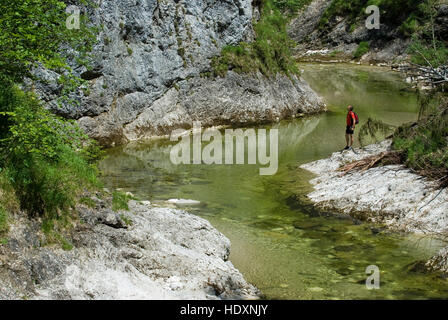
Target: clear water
[282,245]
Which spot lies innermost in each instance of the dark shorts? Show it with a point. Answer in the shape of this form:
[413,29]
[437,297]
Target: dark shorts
[349,130]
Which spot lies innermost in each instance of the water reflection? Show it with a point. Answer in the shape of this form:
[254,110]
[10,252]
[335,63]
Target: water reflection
[279,241]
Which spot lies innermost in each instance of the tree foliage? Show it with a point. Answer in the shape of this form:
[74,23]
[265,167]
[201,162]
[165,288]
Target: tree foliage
[35,32]
[46,160]
[393,12]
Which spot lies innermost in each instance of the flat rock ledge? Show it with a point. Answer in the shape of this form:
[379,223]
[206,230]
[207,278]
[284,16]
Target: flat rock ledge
[162,254]
[390,195]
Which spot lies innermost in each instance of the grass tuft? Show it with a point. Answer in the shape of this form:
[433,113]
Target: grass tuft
[120,201]
[270,52]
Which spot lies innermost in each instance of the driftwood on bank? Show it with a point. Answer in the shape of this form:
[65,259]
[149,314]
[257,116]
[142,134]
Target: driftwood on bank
[386,158]
[427,75]
[438,175]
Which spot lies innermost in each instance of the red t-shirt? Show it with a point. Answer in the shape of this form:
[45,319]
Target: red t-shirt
[351,118]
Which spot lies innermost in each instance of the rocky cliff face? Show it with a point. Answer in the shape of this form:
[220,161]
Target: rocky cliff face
[150,71]
[338,41]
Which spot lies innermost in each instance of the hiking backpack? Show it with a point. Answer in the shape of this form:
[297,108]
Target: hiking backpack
[356,118]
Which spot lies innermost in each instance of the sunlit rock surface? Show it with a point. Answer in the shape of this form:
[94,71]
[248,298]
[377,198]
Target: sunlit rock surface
[391,194]
[163,254]
[151,72]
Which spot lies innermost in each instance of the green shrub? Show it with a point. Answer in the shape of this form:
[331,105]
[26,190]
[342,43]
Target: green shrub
[290,6]
[424,53]
[47,160]
[3,221]
[393,12]
[120,201]
[362,49]
[269,53]
[410,25]
[425,144]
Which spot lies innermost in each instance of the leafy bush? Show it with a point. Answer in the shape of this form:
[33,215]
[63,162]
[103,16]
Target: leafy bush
[393,12]
[427,54]
[33,31]
[410,25]
[47,159]
[290,6]
[270,53]
[425,143]
[3,221]
[362,49]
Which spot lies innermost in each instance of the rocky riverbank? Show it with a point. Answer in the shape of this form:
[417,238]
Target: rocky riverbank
[389,195]
[147,252]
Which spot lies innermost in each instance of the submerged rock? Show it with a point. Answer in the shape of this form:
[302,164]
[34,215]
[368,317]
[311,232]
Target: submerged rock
[439,262]
[163,254]
[184,202]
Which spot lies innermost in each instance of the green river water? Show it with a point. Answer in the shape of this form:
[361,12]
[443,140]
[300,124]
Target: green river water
[285,248]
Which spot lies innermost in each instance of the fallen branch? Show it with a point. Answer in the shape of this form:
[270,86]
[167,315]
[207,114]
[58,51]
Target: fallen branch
[428,75]
[387,157]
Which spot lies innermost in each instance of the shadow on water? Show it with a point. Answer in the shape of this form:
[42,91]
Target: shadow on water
[280,242]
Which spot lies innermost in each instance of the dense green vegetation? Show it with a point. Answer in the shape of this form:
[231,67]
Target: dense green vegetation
[290,6]
[270,52]
[424,52]
[362,49]
[393,12]
[426,48]
[415,18]
[424,145]
[46,162]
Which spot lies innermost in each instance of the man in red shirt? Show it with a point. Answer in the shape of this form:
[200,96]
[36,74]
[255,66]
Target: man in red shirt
[351,123]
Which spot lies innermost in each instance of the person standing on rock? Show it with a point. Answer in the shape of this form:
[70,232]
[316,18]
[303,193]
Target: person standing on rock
[351,124]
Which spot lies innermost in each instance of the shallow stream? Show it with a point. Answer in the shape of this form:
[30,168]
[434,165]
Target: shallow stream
[283,246]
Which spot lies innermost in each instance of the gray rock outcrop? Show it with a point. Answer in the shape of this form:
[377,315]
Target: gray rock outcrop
[160,253]
[339,39]
[392,195]
[151,67]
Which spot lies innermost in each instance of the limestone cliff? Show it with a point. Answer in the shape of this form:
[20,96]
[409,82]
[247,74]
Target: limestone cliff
[338,39]
[150,71]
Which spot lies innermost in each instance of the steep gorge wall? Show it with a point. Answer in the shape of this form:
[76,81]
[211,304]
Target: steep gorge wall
[338,40]
[150,72]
